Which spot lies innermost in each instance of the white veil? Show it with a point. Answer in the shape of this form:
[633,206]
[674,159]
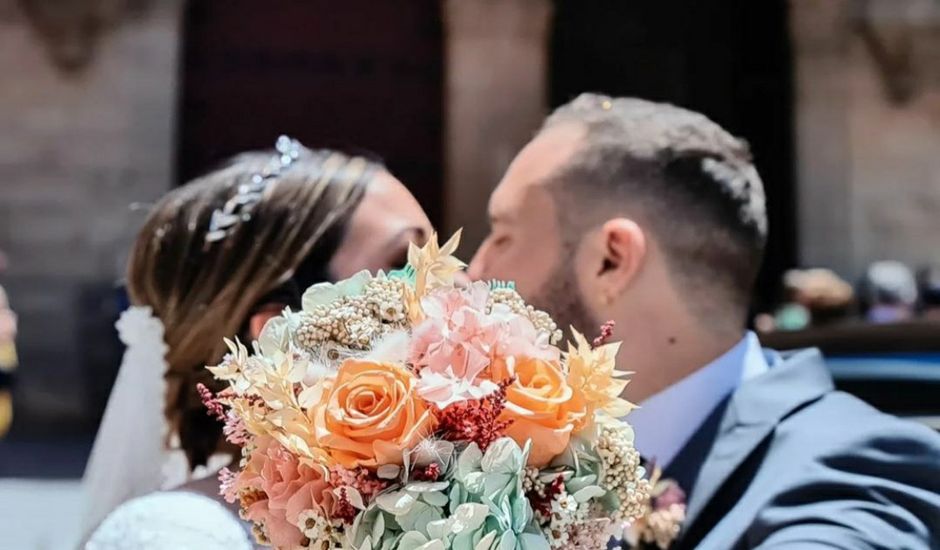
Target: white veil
[129,457]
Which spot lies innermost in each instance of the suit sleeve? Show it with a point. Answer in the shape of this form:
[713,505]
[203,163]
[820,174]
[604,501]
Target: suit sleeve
[880,491]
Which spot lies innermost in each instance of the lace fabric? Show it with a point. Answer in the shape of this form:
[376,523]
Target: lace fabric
[177,519]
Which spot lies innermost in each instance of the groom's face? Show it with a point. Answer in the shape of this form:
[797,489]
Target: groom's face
[526,244]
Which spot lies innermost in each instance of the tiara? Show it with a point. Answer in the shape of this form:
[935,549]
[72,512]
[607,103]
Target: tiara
[239,208]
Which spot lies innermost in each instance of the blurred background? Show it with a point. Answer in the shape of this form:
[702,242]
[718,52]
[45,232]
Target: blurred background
[107,104]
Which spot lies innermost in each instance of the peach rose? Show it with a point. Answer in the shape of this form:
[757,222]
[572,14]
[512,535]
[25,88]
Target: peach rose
[289,486]
[541,404]
[369,414]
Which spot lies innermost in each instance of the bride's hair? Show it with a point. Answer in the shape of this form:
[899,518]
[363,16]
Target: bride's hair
[205,286]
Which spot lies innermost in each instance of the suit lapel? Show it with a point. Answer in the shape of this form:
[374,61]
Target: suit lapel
[753,412]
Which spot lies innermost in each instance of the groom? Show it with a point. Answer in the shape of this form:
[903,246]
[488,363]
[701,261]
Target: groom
[653,216]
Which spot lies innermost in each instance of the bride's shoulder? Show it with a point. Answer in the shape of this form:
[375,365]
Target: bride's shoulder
[174,519]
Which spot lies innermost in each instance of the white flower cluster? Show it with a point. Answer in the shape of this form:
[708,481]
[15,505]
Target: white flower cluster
[590,534]
[355,321]
[662,526]
[623,473]
[541,320]
[565,515]
[531,483]
[322,534]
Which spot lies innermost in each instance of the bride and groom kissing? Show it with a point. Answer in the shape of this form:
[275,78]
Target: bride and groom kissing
[619,209]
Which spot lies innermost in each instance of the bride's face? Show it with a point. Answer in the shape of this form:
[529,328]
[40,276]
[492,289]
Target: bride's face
[378,232]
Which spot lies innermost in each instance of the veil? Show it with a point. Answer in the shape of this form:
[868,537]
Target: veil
[129,457]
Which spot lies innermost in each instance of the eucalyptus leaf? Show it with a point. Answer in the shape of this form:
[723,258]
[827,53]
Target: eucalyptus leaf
[486,543]
[507,541]
[378,529]
[469,517]
[396,502]
[435,498]
[532,541]
[575,484]
[469,461]
[412,540]
[418,517]
[427,486]
[388,471]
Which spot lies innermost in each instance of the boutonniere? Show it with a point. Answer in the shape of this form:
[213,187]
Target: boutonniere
[662,521]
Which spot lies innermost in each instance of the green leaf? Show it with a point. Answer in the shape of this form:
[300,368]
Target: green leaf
[396,502]
[427,486]
[507,541]
[587,493]
[435,498]
[418,517]
[412,540]
[486,542]
[469,461]
[532,541]
[469,517]
[577,483]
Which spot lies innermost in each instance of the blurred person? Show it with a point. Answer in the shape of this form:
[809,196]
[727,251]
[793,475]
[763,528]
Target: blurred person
[814,297]
[929,285]
[217,258]
[8,357]
[653,216]
[888,292]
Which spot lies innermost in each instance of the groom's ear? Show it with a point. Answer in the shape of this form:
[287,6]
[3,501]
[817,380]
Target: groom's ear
[624,252]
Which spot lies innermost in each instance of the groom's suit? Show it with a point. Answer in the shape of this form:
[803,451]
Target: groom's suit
[785,461]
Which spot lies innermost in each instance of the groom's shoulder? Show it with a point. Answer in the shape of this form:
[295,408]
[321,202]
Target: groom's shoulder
[839,424]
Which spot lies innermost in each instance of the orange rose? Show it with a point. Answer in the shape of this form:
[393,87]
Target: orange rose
[369,414]
[542,406]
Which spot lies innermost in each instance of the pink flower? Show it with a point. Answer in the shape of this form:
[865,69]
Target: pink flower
[291,487]
[458,340]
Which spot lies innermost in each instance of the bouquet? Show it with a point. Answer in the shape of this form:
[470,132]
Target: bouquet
[402,412]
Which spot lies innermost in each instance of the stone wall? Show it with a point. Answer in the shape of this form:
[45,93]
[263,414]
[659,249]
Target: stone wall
[868,132]
[76,150]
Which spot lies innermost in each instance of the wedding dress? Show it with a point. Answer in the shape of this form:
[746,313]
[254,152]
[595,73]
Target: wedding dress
[176,520]
[130,463]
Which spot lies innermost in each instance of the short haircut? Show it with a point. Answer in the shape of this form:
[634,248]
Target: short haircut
[685,179]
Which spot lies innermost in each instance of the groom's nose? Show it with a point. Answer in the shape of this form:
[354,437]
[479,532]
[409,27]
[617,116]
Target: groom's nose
[476,269]
[462,279]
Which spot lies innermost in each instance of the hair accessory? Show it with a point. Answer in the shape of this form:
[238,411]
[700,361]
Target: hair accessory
[239,208]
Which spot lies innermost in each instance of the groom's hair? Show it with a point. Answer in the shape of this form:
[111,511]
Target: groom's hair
[687,181]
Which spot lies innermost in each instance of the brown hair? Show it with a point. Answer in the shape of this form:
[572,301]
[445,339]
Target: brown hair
[205,291]
[691,182]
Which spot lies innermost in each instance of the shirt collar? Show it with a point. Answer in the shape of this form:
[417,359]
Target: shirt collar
[666,421]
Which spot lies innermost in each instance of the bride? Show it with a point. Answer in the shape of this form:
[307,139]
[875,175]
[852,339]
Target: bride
[216,258]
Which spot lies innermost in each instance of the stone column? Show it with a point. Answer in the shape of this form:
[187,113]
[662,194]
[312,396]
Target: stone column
[76,151]
[820,45]
[868,131]
[495,94]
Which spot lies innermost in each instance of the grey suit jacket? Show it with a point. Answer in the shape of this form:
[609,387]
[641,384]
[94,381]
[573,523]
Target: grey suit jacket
[788,462]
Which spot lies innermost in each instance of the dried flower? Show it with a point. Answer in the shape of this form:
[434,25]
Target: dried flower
[476,420]
[227,485]
[594,378]
[212,404]
[431,472]
[234,430]
[607,330]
